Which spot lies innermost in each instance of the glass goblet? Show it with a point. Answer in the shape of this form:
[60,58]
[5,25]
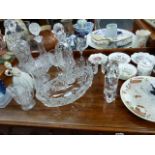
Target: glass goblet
[81,45]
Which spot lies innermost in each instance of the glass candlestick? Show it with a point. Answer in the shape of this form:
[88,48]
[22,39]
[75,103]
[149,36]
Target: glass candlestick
[111,31]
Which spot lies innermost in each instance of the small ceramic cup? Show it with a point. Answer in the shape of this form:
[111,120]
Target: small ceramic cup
[144,68]
[142,37]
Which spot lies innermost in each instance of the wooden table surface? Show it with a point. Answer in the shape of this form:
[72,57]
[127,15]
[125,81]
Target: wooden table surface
[90,112]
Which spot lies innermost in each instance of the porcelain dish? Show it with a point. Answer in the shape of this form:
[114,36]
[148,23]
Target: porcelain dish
[137,57]
[125,39]
[119,57]
[138,95]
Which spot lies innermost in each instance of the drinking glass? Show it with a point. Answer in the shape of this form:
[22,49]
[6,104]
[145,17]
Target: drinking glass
[142,37]
[111,31]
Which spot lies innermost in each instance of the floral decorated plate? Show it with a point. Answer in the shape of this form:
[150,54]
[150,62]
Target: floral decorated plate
[138,95]
[119,57]
[125,39]
[137,57]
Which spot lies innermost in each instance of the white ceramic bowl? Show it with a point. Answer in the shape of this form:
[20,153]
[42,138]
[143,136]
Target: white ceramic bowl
[119,57]
[98,58]
[137,57]
[127,71]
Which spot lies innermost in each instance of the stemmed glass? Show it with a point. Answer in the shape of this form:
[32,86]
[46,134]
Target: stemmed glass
[81,45]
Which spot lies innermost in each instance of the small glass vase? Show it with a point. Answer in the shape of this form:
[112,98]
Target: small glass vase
[111,82]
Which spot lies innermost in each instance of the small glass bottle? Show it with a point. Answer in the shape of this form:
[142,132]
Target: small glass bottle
[111,81]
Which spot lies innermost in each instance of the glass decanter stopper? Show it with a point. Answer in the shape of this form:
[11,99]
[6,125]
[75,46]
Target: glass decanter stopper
[111,81]
[35,29]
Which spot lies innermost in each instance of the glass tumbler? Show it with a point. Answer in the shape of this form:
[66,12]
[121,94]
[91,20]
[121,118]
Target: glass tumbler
[111,31]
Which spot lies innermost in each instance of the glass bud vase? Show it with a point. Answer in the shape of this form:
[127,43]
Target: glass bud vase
[111,82]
